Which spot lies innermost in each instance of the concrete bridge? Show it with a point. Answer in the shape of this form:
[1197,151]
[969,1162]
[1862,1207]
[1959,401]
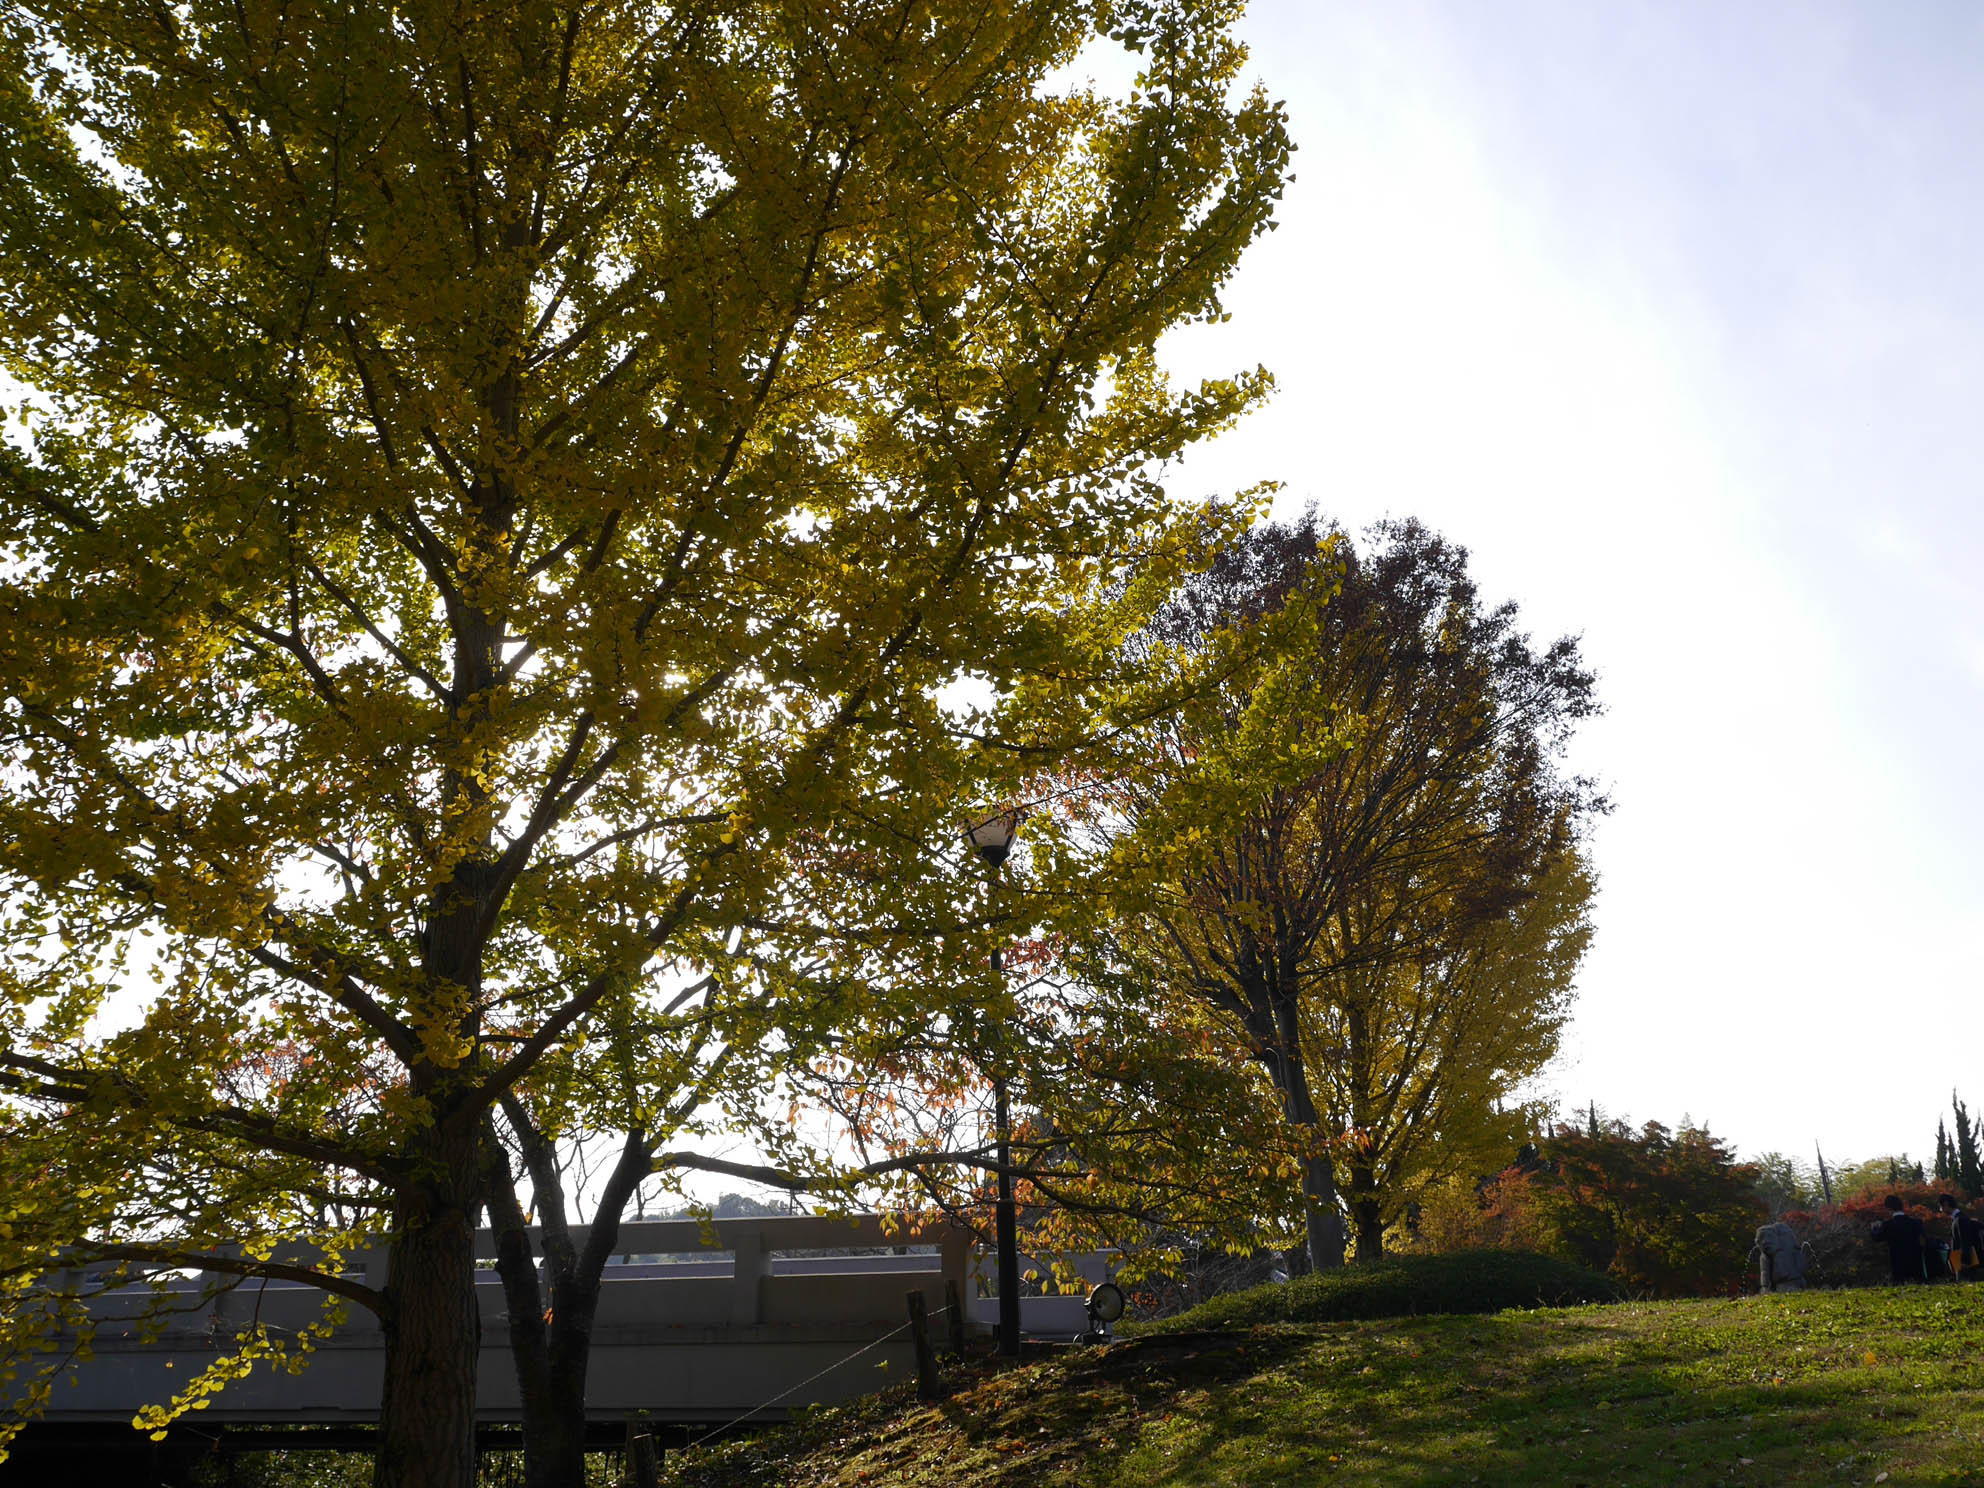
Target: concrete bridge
[697,1324]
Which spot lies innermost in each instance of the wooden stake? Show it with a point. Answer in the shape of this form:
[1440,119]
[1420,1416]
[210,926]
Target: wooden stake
[927,1387]
[643,1471]
[954,1315]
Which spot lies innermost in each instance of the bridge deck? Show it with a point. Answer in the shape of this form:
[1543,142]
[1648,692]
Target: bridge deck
[697,1323]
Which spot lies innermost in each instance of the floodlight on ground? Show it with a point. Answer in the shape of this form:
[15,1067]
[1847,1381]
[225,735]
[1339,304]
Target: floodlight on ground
[1106,1303]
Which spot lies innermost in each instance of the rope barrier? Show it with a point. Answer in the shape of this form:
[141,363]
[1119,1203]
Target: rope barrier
[794,1390]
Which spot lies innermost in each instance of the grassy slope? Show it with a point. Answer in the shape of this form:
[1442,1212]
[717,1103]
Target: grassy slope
[1833,1387]
[1401,1286]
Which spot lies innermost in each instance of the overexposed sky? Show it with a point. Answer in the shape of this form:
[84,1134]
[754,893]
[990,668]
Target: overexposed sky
[1670,312]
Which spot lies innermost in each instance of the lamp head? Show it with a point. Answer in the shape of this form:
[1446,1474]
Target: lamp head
[992,838]
[1106,1303]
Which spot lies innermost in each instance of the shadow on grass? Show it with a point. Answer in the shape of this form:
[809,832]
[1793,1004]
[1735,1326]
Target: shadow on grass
[1038,1425]
[1768,1391]
[1569,1399]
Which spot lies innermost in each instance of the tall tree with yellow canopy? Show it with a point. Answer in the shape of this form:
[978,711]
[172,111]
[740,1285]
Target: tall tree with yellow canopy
[491,480]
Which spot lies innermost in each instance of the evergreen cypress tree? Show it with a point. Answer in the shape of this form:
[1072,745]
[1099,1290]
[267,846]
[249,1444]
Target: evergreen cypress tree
[1969,1171]
[1945,1161]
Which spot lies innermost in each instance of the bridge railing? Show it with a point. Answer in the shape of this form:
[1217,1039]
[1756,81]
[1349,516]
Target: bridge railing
[766,1285]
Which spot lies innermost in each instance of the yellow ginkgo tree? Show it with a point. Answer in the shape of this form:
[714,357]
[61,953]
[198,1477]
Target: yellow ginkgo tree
[1349,876]
[492,489]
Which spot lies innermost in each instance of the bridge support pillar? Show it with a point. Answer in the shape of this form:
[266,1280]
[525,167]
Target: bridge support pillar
[752,1264]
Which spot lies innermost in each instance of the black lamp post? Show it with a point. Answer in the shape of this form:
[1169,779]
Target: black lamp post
[992,839]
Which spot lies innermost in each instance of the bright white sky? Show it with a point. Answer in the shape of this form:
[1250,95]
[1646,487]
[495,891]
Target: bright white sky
[1668,310]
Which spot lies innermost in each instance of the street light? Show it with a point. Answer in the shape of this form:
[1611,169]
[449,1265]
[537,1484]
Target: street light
[992,840]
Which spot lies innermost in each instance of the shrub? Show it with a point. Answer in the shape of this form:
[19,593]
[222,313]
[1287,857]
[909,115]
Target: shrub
[1495,1214]
[1403,1286]
[1665,1213]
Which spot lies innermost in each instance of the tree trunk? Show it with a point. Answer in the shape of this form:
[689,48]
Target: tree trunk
[554,1393]
[1322,1222]
[433,1335]
[550,1389]
[551,1347]
[555,1425]
[1366,1211]
[1366,1214]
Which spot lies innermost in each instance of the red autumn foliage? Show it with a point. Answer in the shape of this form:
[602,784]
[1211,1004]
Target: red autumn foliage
[1844,1252]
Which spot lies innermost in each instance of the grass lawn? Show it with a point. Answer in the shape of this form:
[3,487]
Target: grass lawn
[1873,1386]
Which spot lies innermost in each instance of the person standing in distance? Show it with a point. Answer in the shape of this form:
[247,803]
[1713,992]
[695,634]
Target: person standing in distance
[1903,1233]
[1966,1240]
